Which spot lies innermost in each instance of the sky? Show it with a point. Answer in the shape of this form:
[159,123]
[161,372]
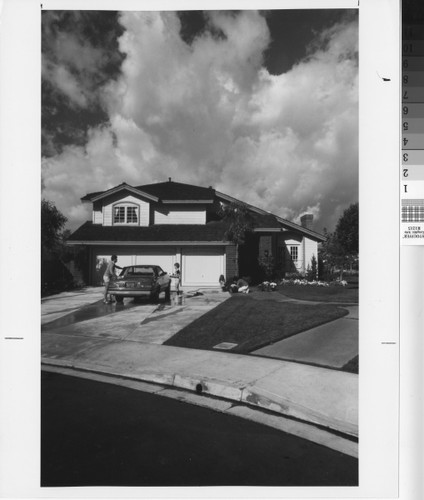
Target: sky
[262,106]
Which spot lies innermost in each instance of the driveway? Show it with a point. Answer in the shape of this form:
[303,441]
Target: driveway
[83,313]
[65,303]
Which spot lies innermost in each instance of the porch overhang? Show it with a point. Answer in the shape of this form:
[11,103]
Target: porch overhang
[148,243]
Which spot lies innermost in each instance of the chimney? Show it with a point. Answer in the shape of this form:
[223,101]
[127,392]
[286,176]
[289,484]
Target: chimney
[307,221]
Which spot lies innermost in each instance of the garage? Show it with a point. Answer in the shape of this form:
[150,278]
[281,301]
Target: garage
[201,267]
[163,257]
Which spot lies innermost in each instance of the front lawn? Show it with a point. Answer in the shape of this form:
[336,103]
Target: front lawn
[340,294]
[352,366]
[252,324]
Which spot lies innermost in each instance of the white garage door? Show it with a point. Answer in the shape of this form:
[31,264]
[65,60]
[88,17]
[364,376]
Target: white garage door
[163,257]
[201,267]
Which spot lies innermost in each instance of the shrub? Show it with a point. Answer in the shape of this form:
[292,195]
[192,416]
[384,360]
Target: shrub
[312,271]
[267,265]
[293,276]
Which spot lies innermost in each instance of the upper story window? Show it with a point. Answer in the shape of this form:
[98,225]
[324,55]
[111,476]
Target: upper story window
[125,213]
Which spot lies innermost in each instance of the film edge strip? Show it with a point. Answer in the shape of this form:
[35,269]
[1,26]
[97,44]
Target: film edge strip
[412,129]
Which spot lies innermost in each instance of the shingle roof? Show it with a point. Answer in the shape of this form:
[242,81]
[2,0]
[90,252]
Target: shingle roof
[169,190]
[213,231]
[178,191]
[264,221]
[90,196]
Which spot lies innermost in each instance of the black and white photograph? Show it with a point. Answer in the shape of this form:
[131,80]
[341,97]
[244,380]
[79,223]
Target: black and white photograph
[200,248]
[214,180]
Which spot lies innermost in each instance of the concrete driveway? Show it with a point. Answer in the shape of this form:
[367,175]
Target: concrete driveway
[83,313]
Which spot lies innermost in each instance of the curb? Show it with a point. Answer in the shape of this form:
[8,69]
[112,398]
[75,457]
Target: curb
[303,430]
[249,395]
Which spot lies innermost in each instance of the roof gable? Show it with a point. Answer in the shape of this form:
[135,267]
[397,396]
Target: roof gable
[166,192]
[122,187]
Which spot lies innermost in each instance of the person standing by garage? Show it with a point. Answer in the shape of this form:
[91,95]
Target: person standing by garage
[110,275]
[177,275]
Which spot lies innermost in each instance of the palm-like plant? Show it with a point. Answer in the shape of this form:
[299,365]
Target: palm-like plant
[240,223]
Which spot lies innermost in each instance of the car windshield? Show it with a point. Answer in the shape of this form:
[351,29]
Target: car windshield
[141,271]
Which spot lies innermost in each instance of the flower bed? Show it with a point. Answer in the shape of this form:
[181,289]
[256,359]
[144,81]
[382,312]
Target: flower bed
[270,286]
[305,282]
[267,286]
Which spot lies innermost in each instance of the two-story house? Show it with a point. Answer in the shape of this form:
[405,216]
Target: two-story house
[172,222]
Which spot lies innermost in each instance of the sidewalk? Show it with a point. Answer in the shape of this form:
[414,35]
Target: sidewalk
[311,346]
[324,397]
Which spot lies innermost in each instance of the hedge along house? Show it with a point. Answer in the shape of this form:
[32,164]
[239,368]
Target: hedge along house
[171,222]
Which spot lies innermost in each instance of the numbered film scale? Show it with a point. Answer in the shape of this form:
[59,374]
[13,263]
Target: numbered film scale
[412,128]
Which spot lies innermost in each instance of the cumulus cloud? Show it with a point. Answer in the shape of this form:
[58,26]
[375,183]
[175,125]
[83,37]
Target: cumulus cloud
[62,79]
[209,113]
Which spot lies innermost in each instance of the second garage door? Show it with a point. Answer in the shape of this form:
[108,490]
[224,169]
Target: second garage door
[164,258]
[201,267]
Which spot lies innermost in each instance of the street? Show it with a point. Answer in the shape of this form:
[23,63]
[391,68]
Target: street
[96,434]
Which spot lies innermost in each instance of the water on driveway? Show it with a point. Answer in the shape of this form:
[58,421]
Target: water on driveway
[94,311]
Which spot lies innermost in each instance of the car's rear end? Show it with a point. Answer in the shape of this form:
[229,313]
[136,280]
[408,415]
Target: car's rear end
[134,285]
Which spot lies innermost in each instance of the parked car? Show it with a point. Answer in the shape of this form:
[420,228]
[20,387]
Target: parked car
[141,281]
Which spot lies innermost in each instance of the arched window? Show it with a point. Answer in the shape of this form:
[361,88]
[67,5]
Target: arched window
[125,213]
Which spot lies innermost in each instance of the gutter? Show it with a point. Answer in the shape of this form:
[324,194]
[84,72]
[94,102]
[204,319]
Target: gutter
[148,243]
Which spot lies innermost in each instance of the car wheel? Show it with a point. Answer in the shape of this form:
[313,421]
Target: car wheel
[168,292]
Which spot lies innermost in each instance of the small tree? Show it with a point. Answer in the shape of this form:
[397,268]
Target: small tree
[312,271]
[55,276]
[266,263]
[332,254]
[240,222]
[347,229]
[52,223]
[340,248]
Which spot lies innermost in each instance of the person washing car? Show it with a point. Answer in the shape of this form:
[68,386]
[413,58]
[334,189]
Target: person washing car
[177,276]
[110,275]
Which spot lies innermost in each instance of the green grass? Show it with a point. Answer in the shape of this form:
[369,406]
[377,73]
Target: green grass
[252,324]
[340,294]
